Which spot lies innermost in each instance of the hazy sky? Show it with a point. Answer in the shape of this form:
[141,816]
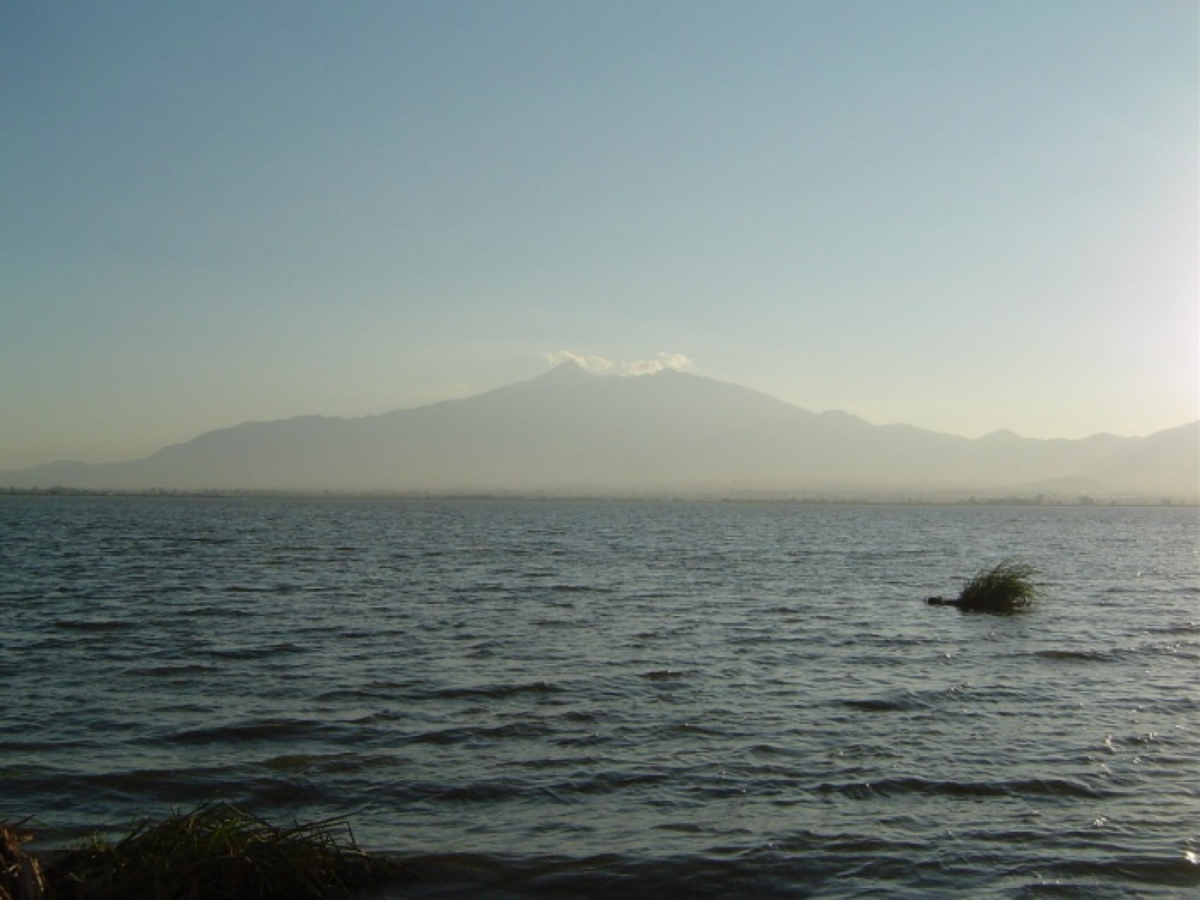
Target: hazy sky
[962,215]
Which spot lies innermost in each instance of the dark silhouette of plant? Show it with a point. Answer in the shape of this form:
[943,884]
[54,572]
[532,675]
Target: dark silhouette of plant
[20,875]
[219,852]
[1004,588]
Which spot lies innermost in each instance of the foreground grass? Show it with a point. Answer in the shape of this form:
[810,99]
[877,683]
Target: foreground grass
[1004,588]
[219,851]
[20,874]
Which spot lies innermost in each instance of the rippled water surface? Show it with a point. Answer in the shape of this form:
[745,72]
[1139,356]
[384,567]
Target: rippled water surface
[639,699]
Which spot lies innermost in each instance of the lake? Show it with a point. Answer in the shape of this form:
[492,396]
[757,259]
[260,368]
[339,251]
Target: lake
[555,698]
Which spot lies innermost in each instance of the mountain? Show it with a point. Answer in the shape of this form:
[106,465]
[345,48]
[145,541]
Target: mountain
[572,432]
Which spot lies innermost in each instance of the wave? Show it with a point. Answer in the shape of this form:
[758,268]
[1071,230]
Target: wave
[1103,656]
[266,730]
[824,866]
[909,701]
[186,785]
[279,587]
[1148,872]
[331,763]
[91,625]
[454,875]
[892,787]
[495,691]
[170,670]
[466,734]
[879,705]
[221,611]
[261,652]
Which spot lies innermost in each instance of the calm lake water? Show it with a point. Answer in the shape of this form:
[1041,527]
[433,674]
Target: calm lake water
[619,699]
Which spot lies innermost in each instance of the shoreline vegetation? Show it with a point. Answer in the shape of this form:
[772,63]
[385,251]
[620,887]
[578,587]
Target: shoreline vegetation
[829,498]
[218,851]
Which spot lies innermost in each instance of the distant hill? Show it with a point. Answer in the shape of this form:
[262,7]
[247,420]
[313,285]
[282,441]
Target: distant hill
[572,432]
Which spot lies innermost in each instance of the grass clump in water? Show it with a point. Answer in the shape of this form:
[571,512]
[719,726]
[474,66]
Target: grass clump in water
[219,851]
[1006,587]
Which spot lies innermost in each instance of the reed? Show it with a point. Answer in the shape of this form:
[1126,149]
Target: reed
[20,874]
[1006,587]
[219,851]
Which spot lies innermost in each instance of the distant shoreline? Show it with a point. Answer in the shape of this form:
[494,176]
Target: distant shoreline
[833,498]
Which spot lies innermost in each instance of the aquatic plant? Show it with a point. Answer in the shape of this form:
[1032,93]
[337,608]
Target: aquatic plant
[1005,587]
[219,851]
[20,874]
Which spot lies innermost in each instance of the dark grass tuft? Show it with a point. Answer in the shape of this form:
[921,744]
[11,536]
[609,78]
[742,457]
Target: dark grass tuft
[1006,587]
[219,851]
[20,874]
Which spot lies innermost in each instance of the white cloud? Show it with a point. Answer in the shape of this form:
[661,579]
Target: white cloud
[600,365]
[589,363]
[675,361]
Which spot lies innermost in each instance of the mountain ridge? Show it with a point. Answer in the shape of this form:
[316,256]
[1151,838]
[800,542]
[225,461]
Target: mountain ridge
[571,432]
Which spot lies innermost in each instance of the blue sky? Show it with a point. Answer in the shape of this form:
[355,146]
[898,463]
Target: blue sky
[962,215]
